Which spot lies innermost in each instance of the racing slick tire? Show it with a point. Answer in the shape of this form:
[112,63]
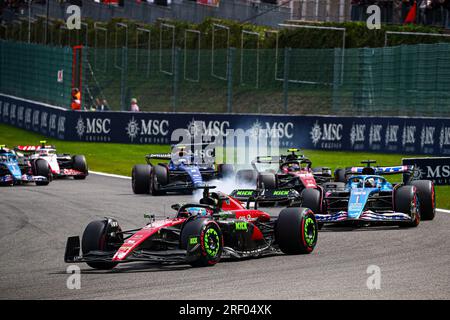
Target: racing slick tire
[247,176]
[159,176]
[225,170]
[296,231]
[427,198]
[406,201]
[95,238]
[41,168]
[209,241]
[339,175]
[80,164]
[311,198]
[266,180]
[141,178]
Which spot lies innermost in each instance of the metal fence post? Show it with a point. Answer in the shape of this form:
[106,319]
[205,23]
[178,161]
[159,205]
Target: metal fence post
[287,53]
[176,78]
[123,82]
[337,80]
[231,53]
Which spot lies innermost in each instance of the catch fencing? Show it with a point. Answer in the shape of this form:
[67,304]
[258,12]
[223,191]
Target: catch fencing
[391,81]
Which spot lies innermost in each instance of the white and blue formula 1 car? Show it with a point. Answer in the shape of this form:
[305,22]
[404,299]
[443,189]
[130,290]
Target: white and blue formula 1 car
[367,198]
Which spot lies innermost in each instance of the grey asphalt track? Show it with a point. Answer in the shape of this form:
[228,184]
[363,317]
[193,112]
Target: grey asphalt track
[35,222]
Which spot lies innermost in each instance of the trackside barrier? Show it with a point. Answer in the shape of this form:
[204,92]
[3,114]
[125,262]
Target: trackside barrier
[404,135]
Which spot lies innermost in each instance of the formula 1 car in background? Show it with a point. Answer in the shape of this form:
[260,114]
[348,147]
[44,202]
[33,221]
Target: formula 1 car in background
[200,234]
[283,185]
[367,198]
[186,171]
[12,172]
[60,165]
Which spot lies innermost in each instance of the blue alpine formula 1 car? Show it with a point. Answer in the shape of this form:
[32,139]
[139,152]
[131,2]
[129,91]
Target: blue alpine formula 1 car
[367,198]
[13,172]
[188,168]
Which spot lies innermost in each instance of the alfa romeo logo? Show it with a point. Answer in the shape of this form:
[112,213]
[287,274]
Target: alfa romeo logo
[132,129]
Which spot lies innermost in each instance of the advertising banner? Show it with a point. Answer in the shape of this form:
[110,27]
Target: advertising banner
[426,136]
[435,169]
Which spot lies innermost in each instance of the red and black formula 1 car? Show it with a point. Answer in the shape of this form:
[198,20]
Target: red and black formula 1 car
[200,234]
[283,185]
[60,165]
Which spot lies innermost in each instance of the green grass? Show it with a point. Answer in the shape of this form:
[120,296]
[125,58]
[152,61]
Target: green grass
[120,158]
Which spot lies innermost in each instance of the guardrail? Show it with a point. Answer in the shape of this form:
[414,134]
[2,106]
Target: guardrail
[404,135]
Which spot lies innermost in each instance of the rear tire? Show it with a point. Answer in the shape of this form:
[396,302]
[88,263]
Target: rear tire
[266,180]
[225,170]
[141,178]
[311,199]
[80,164]
[339,175]
[296,231]
[160,176]
[41,168]
[95,239]
[406,202]
[426,193]
[210,239]
[247,176]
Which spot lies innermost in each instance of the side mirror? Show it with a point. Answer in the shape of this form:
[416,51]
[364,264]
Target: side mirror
[176,206]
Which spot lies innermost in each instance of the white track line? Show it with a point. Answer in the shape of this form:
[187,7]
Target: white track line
[109,175]
[129,178]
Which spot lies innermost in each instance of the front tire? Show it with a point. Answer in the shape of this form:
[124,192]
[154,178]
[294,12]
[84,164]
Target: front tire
[426,193]
[80,164]
[209,237]
[406,202]
[296,231]
[95,238]
[141,178]
[41,168]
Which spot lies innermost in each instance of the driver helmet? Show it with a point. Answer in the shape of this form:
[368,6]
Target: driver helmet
[293,167]
[370,183]
[197,211]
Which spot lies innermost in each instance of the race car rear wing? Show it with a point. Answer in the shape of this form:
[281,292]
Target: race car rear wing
[279,160]
[30,148]
[159,156]
[380,170]
[190,150]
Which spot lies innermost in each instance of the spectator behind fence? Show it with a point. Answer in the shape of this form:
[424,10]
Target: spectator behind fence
[355,10]
[447,13]
[76,99]
[103,106]
[134,106]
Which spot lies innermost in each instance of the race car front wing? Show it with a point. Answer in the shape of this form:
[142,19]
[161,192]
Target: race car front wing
[368,216]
